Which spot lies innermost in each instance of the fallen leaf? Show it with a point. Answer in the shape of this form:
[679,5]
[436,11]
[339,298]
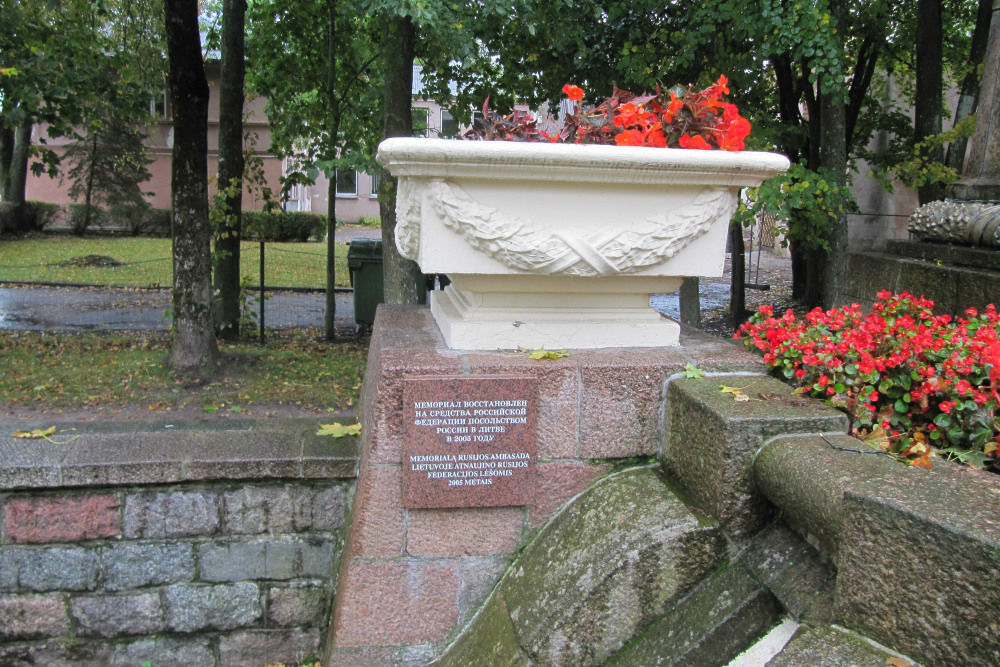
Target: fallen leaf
[878,438]
[46,434]
[893,661]
[691,371]
[738,394]
[36,434]
[542,354]
[338,430]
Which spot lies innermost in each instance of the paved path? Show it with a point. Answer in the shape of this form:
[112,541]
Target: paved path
[81,309]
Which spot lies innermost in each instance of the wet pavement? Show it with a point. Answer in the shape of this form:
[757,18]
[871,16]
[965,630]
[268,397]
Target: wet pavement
[82,309]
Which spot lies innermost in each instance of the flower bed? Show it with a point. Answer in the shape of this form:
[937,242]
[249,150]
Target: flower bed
[913,383]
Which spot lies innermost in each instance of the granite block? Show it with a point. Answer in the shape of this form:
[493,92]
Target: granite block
[414,600]
[192,608]
[253,647]
[31,616]
[464,532]
[713,439]
[377,527]
[165,652]
[131,565]
[68,518]
[117,615]
[164,514]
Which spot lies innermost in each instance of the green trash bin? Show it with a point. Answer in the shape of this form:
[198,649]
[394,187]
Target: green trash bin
[364,261]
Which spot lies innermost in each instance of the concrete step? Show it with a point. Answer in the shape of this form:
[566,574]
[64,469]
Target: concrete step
[831,646]
[724,615]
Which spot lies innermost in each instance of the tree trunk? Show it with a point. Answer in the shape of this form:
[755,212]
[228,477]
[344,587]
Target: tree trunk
[737,283]
[969,96]
[17,175]
[330,317]
[193,346]
[928,103]
[798,257]
[401,276]
[833,156]
[6,158]
[231,163]
[89,197]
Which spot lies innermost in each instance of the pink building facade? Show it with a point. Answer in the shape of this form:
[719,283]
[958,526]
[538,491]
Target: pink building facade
[160,146]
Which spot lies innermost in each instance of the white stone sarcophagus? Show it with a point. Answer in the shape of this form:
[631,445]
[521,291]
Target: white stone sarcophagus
[560,246]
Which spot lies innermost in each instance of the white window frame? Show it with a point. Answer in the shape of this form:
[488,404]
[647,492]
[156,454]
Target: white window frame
[345,195]
[451,117]
[427,121]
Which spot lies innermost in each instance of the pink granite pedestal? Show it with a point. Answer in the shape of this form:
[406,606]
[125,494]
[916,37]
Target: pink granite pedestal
[410,579]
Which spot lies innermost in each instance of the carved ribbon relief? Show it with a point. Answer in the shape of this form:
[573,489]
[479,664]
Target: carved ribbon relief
[521,245]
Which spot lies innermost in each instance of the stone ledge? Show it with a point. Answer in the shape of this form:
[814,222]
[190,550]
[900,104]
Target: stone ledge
[126,454]
[975,257]
[917,551]
[711,441]
[952,288]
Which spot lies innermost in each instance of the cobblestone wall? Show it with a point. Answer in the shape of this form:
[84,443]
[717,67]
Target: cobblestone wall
[212,573]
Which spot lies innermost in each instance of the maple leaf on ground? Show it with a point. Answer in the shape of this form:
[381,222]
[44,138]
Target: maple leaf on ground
[35,434]
[691,371]
[338,430]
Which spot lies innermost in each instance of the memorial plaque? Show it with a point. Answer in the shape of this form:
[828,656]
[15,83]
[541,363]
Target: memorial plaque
[469,441]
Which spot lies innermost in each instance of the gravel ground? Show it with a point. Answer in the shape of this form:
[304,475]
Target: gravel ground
[768,268]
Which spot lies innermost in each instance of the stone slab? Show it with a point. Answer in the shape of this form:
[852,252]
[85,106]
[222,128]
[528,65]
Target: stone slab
[831,648]
[724,615]
[978,258]
[114,454]
[470,441]
[791,472]
[605,567]
[944,519]
[712,441]
[916,551]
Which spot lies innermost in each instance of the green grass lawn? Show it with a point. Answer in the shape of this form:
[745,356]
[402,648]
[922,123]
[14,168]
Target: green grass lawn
[146,262]
[112,371]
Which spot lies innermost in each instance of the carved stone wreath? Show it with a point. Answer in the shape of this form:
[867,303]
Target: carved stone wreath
[519,244]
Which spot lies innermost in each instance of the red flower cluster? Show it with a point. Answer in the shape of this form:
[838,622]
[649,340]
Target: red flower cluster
[919,380]
[698,119]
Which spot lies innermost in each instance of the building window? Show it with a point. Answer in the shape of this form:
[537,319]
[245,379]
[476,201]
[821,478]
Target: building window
[373,189]
[419,116]
[478,119]
[347,183]
[158,106]
[449,125]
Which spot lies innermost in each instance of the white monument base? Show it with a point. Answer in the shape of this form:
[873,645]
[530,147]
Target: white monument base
[505,312]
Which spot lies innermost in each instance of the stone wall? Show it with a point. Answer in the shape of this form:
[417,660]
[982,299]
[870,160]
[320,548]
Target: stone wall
[184,548]
[954,277]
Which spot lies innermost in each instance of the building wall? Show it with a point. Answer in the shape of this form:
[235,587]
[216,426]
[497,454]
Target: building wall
[160,145]
[362,203]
